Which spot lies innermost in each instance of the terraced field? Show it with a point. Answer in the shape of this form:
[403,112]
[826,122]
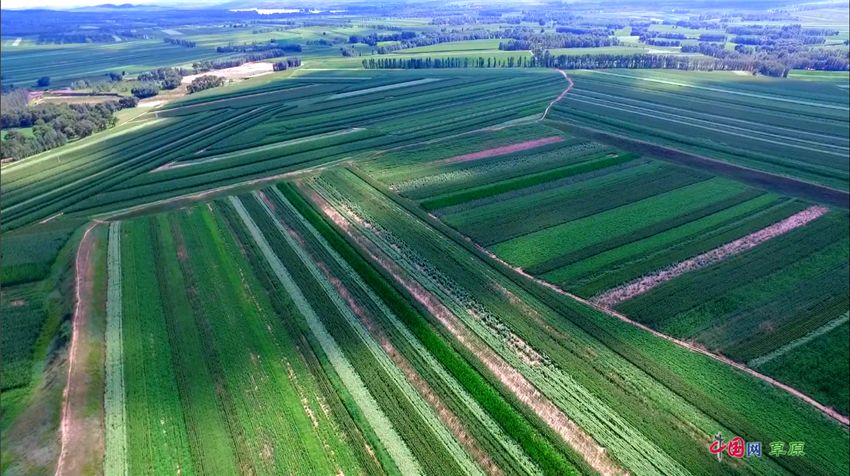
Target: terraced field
[793,128]
[257,132]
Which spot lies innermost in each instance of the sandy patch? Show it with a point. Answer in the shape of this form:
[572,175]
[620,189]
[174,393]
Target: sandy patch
[151,103]
[247,70]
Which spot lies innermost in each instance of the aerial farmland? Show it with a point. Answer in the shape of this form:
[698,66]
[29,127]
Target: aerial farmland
[553,238]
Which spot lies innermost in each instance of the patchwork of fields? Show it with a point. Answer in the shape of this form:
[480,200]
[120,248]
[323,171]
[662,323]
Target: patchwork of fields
[414,272]
[256,132]
[563,349]
[314,300]
[794,128]
[742,271]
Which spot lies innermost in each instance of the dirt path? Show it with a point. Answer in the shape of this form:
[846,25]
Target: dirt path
[81,431]
[614,296]
[560,96]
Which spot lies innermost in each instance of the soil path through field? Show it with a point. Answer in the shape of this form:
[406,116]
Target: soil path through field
[80,434]
[560,96]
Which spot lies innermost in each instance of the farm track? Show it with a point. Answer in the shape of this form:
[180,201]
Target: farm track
[560,96]
[512,272]
[765,180]
[76,436]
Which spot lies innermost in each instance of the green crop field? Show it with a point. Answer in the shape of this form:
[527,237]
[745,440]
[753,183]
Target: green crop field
[282,125]
[590,219]
[793,128]
[64,63]
[523,324]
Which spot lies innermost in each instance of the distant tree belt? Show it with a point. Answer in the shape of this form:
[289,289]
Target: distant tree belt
[254,47]
[293,62]
[412,39]
[529,42]
[588,61]
[776,59]
[180,42]
[54,124]
[76,38]
[766,67]
[204,82]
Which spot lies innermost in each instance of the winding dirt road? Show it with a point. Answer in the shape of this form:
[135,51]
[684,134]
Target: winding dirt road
[560,96]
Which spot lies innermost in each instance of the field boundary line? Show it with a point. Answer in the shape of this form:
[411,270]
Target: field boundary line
[646,283]
[800,341]
[254,150]
[230,189]
[502,266]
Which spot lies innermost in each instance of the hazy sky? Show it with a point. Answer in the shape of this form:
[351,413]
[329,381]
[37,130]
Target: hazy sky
[17,4]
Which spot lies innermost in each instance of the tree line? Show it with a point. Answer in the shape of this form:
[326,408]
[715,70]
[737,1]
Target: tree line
[547,60]
[255,47]
[180,42]
[53,125]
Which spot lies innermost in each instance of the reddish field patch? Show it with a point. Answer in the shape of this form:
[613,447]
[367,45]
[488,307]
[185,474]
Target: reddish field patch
[504,150]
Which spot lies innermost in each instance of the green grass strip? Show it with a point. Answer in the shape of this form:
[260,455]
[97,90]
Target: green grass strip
[399,451]
[115,410]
